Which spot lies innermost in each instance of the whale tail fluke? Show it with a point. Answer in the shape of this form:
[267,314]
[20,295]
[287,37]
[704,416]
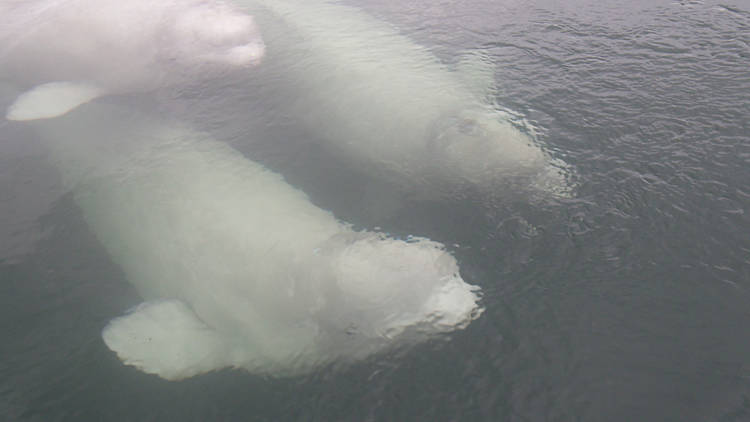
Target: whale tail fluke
[52,99]
[167,339]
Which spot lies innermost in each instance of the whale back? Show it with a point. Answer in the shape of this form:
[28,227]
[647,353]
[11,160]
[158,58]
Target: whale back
[230,256]
[390,107]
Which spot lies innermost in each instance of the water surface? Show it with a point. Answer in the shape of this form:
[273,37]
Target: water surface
[626,301]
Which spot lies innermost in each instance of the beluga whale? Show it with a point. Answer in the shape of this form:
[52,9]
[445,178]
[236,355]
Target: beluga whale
[236,267]
[390,108]
[63,53]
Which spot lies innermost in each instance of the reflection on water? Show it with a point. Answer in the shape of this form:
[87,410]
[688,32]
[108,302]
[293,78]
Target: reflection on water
[622,299]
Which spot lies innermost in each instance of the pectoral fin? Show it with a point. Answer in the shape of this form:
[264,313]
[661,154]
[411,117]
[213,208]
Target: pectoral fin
[51,100]
[166,338]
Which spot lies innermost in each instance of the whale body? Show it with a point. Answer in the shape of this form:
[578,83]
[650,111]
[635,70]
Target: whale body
[238,268]
[389,107]
[64,53]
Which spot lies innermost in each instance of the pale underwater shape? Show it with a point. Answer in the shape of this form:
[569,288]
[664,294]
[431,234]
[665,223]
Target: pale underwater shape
[391,108]
[67,52]
[238,268]
[215,32]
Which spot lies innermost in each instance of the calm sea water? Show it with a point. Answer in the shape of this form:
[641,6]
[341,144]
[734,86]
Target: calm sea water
[628,301]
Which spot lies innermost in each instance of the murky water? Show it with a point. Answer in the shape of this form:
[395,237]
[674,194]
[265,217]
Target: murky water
[624,299]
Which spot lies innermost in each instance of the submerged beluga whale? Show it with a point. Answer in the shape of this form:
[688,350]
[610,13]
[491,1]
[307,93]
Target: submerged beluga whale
[389,107]
[238,268]
[64,53]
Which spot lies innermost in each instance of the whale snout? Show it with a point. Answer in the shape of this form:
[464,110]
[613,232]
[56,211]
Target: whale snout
[395,285]
[483,149]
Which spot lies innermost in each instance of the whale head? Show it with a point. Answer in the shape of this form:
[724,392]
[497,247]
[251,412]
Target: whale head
[67,53]
[387,287]
[215,33]
[484,149]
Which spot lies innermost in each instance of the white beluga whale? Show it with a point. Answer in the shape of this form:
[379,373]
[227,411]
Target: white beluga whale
[389,107]
[64,53]
[237,267]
